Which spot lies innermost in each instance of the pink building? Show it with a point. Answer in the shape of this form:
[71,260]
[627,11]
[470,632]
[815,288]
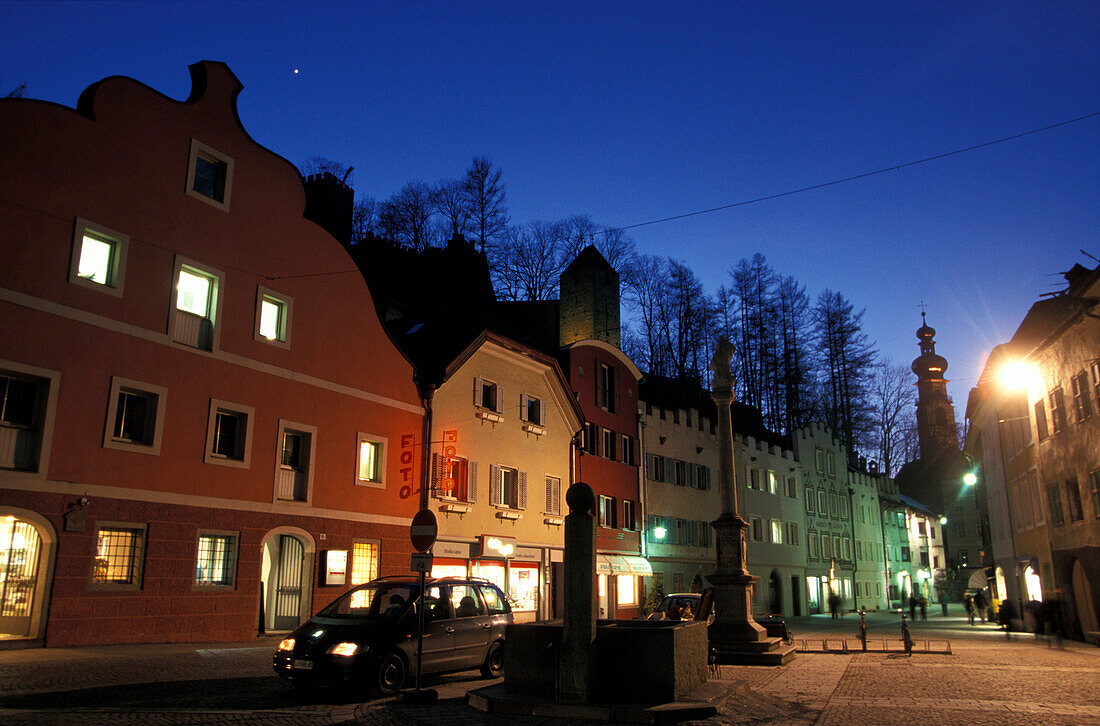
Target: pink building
[205,432]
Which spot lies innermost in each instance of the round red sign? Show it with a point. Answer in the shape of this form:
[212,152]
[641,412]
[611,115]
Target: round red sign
[424,530]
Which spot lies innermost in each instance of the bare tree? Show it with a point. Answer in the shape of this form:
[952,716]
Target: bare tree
[526,263]
[614,244]
[364,219]
[893,396]
[453,206]
[406,217]
[485,196]
[846,358]
[643,292]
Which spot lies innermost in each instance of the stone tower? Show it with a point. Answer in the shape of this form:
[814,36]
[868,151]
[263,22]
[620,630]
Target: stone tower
[589,308]
[935,413]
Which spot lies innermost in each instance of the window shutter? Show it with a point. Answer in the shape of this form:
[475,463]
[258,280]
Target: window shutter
[707,469]
[522,485]
[471,482]
[613,375]
[476,401]
[690,474]
[437,466]
[651,467]
[670,470]
[494,484]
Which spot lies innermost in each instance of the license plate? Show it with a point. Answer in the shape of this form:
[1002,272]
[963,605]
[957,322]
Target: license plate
[303,665]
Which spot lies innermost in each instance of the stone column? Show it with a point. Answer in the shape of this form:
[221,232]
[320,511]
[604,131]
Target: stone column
[733,624]
[579,623]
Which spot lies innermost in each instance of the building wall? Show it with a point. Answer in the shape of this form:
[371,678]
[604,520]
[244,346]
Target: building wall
[538,451]
[122,163]
[870,588]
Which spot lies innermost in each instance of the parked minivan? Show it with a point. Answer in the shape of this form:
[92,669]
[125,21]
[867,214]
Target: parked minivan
[368,636]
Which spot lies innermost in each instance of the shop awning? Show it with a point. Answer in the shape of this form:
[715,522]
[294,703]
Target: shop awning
[611,565]
[638,565]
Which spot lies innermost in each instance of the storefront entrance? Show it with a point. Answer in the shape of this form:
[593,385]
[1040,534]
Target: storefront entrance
[20,547]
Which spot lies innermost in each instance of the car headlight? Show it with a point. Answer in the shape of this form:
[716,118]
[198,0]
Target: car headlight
[344,649]
[287,644]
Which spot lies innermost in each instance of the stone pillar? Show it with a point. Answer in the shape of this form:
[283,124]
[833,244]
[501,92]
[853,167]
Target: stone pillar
[579,623]
[734,625]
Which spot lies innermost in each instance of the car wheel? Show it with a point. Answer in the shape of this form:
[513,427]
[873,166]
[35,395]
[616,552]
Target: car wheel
[493,666]
[391,675]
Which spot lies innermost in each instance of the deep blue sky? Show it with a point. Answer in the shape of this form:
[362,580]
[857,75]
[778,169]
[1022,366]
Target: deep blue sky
[632,111]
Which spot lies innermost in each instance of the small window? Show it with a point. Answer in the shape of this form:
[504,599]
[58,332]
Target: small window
[608,448]
[680,472]
[792,487]
[754,478]
[819,460]
[833,510]
[135,416]
[370,463]
[629,522]
[195,306]
[627,450]
[831,460]
[792,533]
[272,317]
[811,539]
[509,487]
[216,560]
[809,500]
[27,402]
[364,562]
[822,504]
[1081,400]
[607,511]
[553,495]
[1094,376]
[532,410]
[757,529]
[99,258]
[229,434]
[1073,501]
[773,483]
[843,507]
[486,395]
[294,473]
[590,442]
[702,477]
[1057,409]
[776,531]
[904,554]
[606,390]
[1094,484]
[1054,496]
[119,555]
[209,175]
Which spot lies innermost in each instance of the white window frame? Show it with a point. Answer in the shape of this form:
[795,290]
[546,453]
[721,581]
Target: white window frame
[249,414]
[525,402]
[235,541]
[286,308]
[479,398]
[160,396]
[217,293]
[773,482]
[311,432]
[45,415]
[200,149]
[120,244]
[553,496]
[381,441]
[775,528]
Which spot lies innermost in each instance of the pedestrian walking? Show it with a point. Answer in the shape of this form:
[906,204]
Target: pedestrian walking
[943,601]
[1035,614]
[980,604]
[1052,615]
[834,604]
[1004,617]
[923,603]
[912,607]
[968,603]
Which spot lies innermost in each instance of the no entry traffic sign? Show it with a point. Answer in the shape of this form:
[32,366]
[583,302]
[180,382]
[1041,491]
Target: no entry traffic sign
[424,530]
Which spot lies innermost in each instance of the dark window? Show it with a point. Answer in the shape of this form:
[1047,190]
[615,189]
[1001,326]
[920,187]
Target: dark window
[210,177]
[609,437]
[534,411]
[229,431]
[1073,501]
[18,401]
[1081,403]
[1057,409]
[1094,482]
[1054,496]
[607,511]
[488,397]
[904,554]
[135,417]
[629,522]
[590,443]
[605,383]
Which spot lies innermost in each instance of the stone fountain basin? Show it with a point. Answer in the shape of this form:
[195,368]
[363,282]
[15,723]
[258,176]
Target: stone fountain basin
[634,661]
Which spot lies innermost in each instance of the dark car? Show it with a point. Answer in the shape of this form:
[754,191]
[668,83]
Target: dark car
[673,605]
[368,636]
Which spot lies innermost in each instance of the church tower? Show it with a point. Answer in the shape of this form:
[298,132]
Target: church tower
[589,308]
[935,414]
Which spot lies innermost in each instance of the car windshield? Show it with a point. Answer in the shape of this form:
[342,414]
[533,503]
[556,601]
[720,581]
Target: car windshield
[373,600]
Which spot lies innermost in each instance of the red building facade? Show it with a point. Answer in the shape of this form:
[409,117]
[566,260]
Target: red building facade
[205,432]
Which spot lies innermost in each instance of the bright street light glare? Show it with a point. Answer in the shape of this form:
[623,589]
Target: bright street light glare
[1016,375]
[970,478]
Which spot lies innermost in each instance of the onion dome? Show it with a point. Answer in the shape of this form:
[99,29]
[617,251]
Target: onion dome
[928,364]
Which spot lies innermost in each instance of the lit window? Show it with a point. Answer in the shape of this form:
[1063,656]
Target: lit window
[370,465]
[99,256]
[229,434]
[209,175]
[217,554]
[364,562]
[772,483]
[272,317]
[626,590]
[195,308]
[118,556]
[777,531]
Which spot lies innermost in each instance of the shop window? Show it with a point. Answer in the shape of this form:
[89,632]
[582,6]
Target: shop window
[523,586]
[626,590]
[364,562]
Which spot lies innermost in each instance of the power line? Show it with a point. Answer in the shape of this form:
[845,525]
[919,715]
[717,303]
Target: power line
[854,177]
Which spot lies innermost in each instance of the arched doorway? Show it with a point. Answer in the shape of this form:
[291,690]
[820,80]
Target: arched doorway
[775,594]
[27,546]
[999,581]
[286,572]
[1082,597]
[1033,586]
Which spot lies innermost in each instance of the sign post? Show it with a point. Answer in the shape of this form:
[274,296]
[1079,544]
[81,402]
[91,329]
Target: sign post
[422,533]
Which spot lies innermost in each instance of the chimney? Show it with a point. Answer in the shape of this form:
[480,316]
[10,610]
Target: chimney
[329,203]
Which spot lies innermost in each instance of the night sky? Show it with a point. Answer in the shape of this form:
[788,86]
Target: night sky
[636,111]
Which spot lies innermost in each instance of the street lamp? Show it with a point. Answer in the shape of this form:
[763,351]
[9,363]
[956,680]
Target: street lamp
[970,478]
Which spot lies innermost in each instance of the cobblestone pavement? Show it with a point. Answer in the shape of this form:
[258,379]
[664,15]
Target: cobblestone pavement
[987,679]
